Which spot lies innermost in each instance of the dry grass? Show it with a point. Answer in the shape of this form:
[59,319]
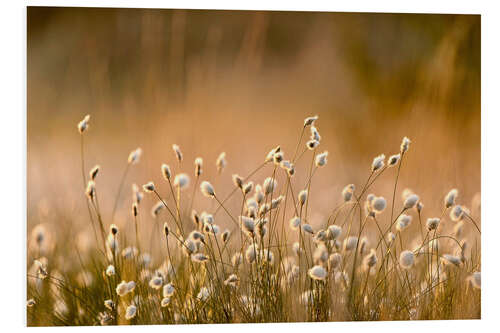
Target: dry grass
[289,269]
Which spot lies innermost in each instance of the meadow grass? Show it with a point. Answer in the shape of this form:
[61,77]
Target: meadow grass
[265,261]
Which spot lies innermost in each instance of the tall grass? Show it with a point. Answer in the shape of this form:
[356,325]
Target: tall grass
[267,260]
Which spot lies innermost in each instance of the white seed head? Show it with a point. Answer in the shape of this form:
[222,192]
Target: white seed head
[449,259]
[312,144]
[370,259]
[83,124]
[247,188]
[157,208]
[403,222]
[247,225]
[393,160]
[278,158]
[122,289]
[307,228]
[310,120]
[321,159]
[456,213]
[177,152]
[350,243]
[270,185]
[410,201]
[317,273]
[238,181]
[449,199]
[294,223]
[110,270]
[270,155]
[130,312]
[432,223]
[378,162]
[198,164]
[347,192]
[406,259]
[181,180]
[302,197]
[221,162]
[379,204]
[168,290]
[149,187]
[90,190]
[134,156]
[199,257]
[405,145]
[93,173]
[156,282]
[207,189]
[315,134]
[165,171]
[333,231]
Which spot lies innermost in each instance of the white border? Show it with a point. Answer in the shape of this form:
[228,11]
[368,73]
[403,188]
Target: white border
[13,194]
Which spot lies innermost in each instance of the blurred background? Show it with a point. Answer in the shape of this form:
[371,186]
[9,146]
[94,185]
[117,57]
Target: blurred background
[242,82]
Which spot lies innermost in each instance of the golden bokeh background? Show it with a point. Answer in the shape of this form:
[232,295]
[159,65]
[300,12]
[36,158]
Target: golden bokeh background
[242,82]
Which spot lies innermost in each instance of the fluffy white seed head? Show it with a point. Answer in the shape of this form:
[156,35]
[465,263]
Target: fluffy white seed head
[307,228]
[403,222]
[270,155]
[198,166]
[294,223]
[181,180]
[350,243]
[269,185]
[310,120]
[378,162]
[432,223]
[411,201]
[315,134]
[449,199]
[456,213]
[165,171]
[317,273]
[156,282]
[370,259]
[149,187]
[177,152]
[134,156]
[379,204]
[302,197]
[321,159]
[405,145]
[110,270]
[312,144]
[347,192]
[207,189]
[199,257]
[333,231]
[83,125]
[221,162]
[168,290]
[130,312]
[238,181]
[278,158]
[406,259]
[393,160]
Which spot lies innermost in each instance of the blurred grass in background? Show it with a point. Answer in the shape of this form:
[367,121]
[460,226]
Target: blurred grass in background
[242,82]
